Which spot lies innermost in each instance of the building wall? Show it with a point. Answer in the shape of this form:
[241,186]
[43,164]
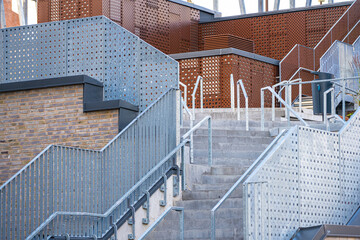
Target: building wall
[11,17]
[33,119]
[170,27]
[275,35]
[216,71]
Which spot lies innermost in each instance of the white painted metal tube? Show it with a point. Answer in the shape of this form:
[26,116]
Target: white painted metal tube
[238,85]
[232,92]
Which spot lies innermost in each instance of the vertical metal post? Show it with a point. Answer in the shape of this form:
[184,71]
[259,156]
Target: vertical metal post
[232,92]
[25,11]
[260,6]
[292,3]
[343,99]
[213,226]
[2,15]
[21,12]
[216,5]
[273,105]
[192,139]
[210,142]
[333,102]
[181,112]
[300,96]
[325,111]
[183,168]
[201,95]
[287,97]
[308,3]
[238,101]
[276,5]
[242,7]
[262,110]
[247,113]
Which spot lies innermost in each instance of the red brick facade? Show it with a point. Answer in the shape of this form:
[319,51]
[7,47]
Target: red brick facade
[33,119]
[216,71]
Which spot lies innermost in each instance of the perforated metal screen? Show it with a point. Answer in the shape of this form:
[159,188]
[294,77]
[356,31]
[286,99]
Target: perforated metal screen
[130,69]
[310,178]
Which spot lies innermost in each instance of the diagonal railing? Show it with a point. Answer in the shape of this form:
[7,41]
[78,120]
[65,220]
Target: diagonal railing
[305,57]
[65,179]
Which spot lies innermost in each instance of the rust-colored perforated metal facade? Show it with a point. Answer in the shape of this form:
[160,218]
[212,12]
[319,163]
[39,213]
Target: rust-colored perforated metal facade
[228,41]
[216,72]
[170,27]
[274,35]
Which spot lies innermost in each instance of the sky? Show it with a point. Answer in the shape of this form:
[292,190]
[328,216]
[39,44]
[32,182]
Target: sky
[231,7]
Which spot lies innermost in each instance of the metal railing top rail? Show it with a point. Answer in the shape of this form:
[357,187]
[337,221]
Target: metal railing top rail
[185,92]
[87,164]
[333,26]
[325,80]
[241,180]
[198,80]
[287,106]
[122,199]
[181,225]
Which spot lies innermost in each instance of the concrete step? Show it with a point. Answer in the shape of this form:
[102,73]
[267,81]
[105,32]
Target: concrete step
[226,170]
[246,146]
[224,160]
[216,179]
[228,153]
[233,140]
[210,194]
[209,204]
[228,132]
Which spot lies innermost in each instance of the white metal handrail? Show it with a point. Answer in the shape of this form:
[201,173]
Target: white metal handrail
[287,106]
[185,92]
[238,85]
[199,80]
[232,89]
[197,126]
[191,118]
[332,91]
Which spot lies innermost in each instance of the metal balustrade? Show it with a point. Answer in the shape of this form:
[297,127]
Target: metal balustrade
[89,183]
[130,69]
[309,178]
[238,85]
[302,56]
[193,95]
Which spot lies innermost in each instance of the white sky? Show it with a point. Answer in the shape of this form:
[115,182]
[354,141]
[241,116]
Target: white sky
[231,7]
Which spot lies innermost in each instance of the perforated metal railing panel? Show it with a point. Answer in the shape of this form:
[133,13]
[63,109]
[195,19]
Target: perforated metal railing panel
[311,178]
[130,69]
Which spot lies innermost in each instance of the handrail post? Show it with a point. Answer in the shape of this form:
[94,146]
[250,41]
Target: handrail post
[185,92]
[201,95]
[199,79]
[213,225]
[300,96]
[238,85]
[238,100]
[325,106]
[343,98]
[273,105]
[232,92]
[210,142]
[262,110]
[287,97]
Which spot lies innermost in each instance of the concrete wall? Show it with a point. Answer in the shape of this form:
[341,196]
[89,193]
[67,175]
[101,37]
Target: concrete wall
[31,120]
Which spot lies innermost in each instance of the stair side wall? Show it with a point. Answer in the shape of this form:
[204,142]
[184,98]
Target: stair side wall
[32,119]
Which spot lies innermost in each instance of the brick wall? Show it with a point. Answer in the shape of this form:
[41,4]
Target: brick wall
[31,120]
[170,27]
[216,72]
[274,35]
[12,18]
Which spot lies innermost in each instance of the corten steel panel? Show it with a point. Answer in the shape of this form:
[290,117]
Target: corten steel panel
[275,35]
[170,27]
[353,35]
[216,72]
[228,41]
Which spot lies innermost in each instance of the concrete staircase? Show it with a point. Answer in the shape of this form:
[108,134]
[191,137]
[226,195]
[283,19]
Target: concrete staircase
[234,150]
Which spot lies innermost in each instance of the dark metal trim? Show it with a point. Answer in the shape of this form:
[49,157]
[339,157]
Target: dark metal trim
[278,12]
[224,51]
[108,105]
[49,82]
[191,5]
